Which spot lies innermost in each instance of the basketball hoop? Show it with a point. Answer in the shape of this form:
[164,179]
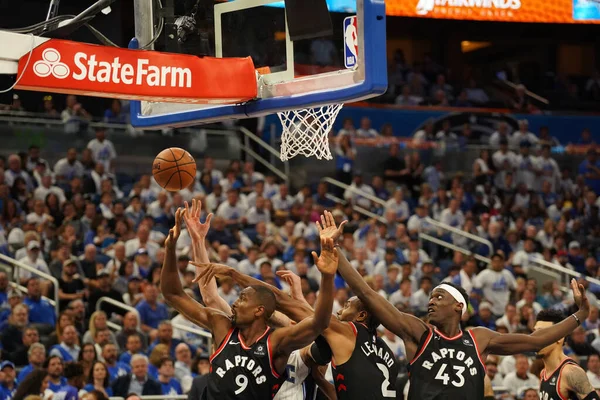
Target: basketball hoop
[305,131]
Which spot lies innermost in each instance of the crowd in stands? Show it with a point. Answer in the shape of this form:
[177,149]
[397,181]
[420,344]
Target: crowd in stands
[99,237]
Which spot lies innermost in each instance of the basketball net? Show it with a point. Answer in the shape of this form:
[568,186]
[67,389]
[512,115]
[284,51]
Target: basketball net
[305,131]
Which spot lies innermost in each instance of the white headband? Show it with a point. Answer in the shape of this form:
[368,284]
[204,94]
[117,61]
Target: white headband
[454,293]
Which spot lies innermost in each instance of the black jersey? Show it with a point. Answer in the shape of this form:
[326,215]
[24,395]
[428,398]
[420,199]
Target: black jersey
[243,372]
[550,384]
[371,371]
[446,368]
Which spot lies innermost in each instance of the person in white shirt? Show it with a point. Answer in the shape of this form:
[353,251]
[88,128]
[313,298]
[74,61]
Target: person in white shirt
[424,135]
[508,319]
[250,176]
[306,228]
[102,149]
[398,205]
[258,213]
[347,128]
[271,187]
[365,130]
[548,167]
[215,199]
[270,250]
[504,161]
[46,188]
[496,283]
[356,191]
[38,216]
[593,369]
[33,260]
[209,168]
[361,261]
[521,378]
[141,241]
[529,299]
[501,133]
[232,211]
[223,253]
[100,174]
[466,275]
[452,215]
[395,344]
[34,159]
[523,134]
[68,168]
[14,171]
[523,259]
[527,167]
[282,201]
[420,299]
[248,265]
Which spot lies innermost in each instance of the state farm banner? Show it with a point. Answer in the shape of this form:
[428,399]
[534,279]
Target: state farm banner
[549,11]
[78,68]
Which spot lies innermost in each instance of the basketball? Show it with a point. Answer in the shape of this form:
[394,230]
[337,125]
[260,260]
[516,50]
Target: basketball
[174,169]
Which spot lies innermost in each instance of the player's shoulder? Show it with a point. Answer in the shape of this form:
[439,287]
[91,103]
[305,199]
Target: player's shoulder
[572,368]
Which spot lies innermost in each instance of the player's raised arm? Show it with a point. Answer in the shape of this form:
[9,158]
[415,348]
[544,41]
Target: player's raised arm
[287,305]
[170,286]
[289,339]
[511,343]
[406,326]
[198,232]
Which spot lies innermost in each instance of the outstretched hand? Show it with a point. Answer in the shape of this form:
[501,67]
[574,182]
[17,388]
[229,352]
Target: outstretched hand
[327,228]
[293,281]
[209,271]
[175,231]
[327,262]
[196,229]
[581,300]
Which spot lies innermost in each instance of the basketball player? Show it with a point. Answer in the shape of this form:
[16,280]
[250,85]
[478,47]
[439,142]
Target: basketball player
[300,364]
[250,361]
[448,363]
[561,378]
[364,367]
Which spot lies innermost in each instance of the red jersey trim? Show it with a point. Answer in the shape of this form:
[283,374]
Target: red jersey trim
[557,368]
[477,350]
[561,366]
[275,374]
[354,328]
[458,336]
[223,344]
[256,341]
[429,336]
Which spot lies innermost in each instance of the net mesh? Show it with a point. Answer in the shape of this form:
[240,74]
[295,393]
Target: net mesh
[305,131]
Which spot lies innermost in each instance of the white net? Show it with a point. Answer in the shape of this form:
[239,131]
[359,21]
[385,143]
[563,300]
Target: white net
[305,131]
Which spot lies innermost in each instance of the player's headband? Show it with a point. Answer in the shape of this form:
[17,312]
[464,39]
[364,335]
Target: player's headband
[454,293]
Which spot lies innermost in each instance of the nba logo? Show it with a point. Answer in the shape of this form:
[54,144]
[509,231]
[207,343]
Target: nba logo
[350,42]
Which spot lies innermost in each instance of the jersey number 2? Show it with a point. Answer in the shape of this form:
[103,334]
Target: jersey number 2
[385,391]
[445,378]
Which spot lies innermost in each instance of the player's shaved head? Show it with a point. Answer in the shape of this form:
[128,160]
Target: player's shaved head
[265,297]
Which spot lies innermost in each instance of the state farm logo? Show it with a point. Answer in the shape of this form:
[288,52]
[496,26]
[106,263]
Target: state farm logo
[425,7]
[86,67]
[50,65]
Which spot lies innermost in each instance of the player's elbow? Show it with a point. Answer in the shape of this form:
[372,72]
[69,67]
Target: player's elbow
[320,324]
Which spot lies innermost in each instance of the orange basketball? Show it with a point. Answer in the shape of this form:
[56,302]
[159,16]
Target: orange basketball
[174,169]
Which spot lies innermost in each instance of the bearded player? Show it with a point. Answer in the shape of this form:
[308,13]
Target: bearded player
[448,363]
[300,363]
[250,362]
[561,378]
[364,367]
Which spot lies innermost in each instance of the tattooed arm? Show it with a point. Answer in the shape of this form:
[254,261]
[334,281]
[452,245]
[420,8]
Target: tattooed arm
[577,381]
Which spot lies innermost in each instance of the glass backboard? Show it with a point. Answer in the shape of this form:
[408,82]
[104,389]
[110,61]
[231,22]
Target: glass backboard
[346,63]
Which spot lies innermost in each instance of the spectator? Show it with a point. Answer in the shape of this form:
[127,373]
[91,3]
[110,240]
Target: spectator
[115,114]
[495,283]
[593,369]
[74,116]
[104,289]
[98,322]
[183,364]
[406,98]
[8,387]
[87,358]
[133,346]
[29,337]
[15,171]
[590,169]
[484,316]
[12,332]
[521,378]
[55,367]
[347,128]
[115,368]
[344,160]
[358,191]
[103,149]
[137,381]
[49,109]
[71,286]
[476,94]
[578,342]
[165,336]
[130,327]
[151,311]
[440,85]
[99,379]
[40,310]
[166,373]
[68,349]
[420,299]
[36,357]
[365,130]
[68,168]
[34,385]
[521,100]
[524,259]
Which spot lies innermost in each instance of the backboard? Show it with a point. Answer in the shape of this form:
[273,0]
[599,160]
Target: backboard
[347,64]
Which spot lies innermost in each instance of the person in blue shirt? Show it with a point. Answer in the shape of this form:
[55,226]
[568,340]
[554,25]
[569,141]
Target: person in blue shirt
[36,356]
[134,346]
[166,372]
[165,336]
[115,368]
[151,311]
[590,169]
[55,367]
[99,379]
[4,291]
[74,383]
[40,310]
[9,386]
